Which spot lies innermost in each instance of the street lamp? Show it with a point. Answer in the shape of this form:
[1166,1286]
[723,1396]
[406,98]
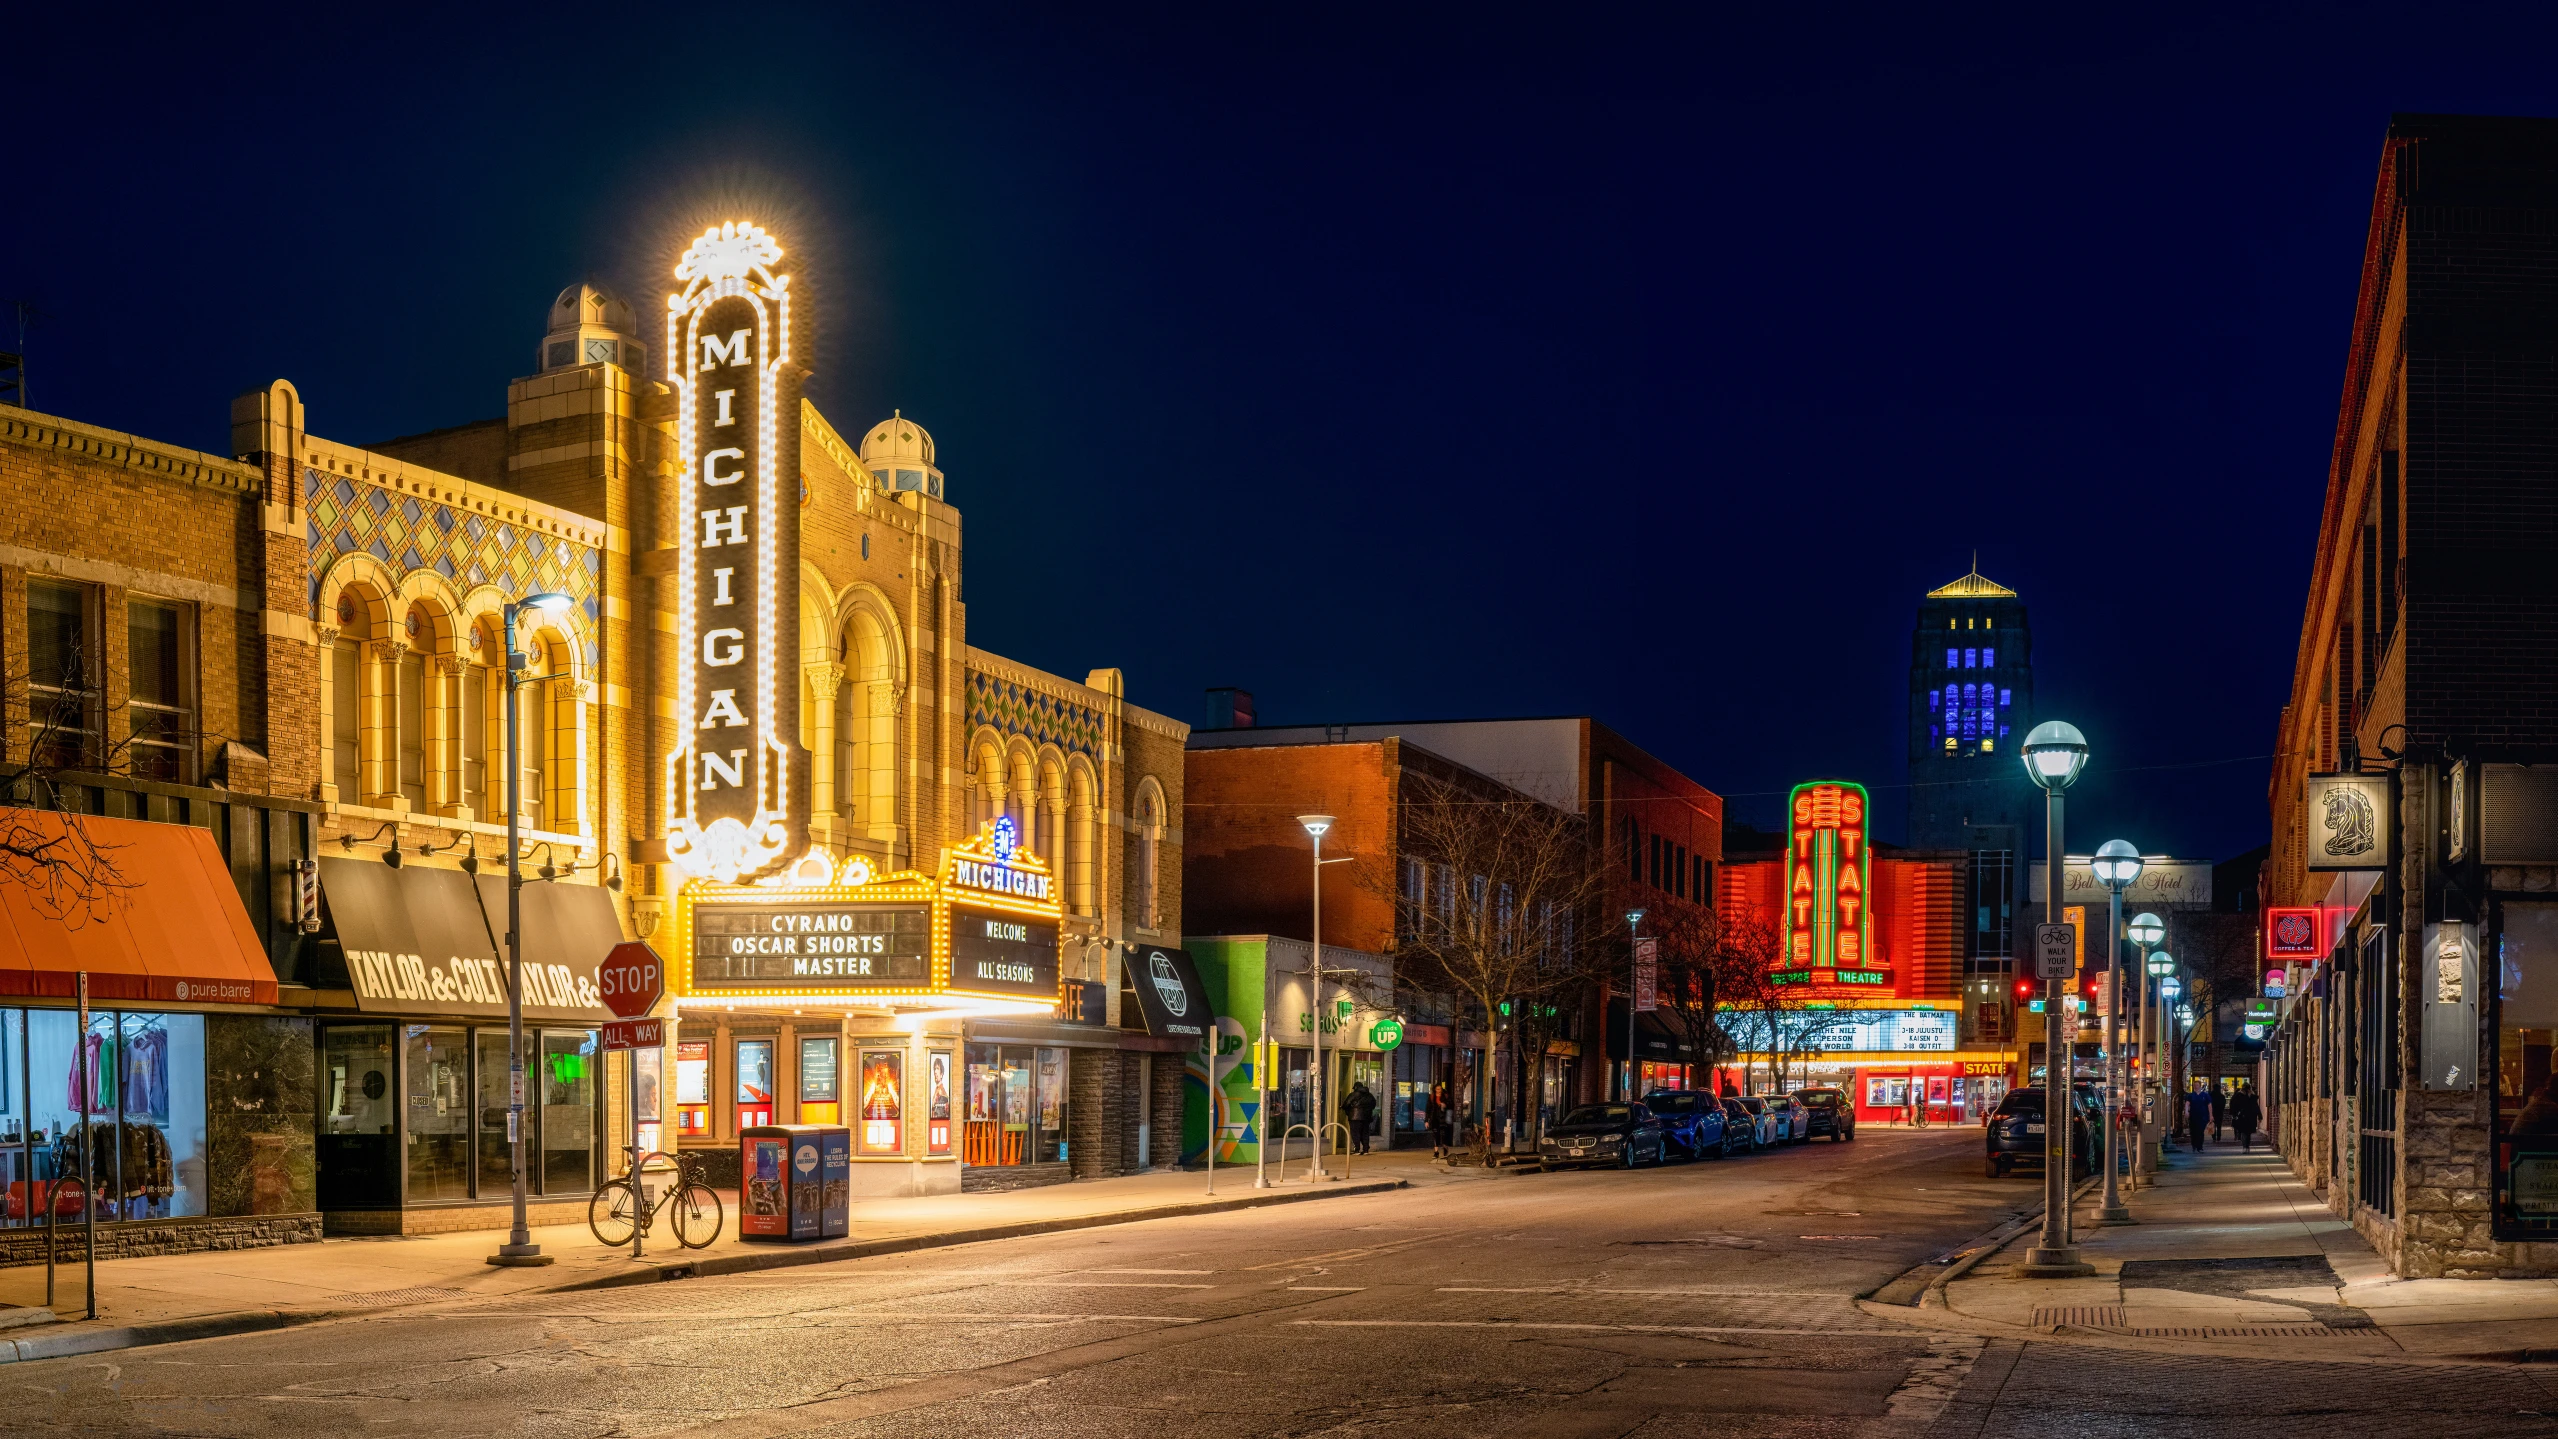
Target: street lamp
[519,1248]
[1634,981]
[2145,929]
[1315,825]
[2168,989]
[2117,864]
[2054,754]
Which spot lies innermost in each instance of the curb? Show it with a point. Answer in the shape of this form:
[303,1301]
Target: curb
[60,1345]
[1931,1295]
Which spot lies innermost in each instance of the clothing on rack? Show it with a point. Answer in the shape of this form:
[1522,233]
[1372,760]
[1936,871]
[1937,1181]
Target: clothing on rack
[146,1074]
[92,1082]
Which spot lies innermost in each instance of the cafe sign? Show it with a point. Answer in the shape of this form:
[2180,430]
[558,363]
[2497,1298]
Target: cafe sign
[737,778]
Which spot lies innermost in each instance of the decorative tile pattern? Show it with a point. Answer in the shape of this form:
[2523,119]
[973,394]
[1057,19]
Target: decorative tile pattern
[1042,719]
[467,549]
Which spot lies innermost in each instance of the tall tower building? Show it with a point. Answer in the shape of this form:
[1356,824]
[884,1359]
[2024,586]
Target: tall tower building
[1971,703]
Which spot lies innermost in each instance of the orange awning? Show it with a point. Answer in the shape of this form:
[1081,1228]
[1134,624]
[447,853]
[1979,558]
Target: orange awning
[172,930]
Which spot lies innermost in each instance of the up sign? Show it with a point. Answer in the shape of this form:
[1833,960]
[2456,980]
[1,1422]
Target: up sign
[737,779]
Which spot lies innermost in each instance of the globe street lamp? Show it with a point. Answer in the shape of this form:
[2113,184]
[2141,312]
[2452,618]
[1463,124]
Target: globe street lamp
[2117,864]
[2145,929]
[1315,825]
[2054,754]
[2168,989]
[519,1248]
[1634,982]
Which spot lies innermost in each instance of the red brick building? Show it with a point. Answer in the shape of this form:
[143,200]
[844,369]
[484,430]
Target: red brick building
[2399,1073]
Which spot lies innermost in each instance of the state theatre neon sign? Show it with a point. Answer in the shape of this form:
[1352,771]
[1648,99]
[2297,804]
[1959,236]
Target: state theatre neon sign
[1827,932]
[736,790]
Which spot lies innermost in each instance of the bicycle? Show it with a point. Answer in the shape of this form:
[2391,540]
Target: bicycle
[621,1207]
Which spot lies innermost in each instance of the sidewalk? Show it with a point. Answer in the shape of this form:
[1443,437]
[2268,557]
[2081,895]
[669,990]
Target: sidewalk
[2229,1246]
[187,1296]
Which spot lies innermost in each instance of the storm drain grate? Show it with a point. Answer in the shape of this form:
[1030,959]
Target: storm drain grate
[2257,1331]
[2084,1316]
[379,1298]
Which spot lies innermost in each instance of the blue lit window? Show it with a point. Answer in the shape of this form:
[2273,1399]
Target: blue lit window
[1989,659]
[1931,699]
[1953,659]
[2002,729]
[2006,698]
[1971,659]
[1933,732]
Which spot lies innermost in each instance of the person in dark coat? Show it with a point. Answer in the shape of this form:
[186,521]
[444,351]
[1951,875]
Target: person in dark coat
[2244,1113]
[2220,1108]
[1359,1108]
[1441,1113]
[2199,1104]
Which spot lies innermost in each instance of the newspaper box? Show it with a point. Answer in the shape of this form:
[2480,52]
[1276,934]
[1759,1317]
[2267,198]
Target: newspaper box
[795,1182]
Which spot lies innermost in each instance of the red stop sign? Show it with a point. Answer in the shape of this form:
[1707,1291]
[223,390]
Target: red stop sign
[631,979]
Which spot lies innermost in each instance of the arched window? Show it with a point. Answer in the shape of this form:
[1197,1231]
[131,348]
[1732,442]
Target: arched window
[346,699]
[1082,802]
[410,706]
[1150,833]
[483,688]
[866,727]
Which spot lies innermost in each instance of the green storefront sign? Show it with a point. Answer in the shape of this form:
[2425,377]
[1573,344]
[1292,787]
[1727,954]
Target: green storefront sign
[1386,1033]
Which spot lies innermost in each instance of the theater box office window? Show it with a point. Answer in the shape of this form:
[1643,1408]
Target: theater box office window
[843,995]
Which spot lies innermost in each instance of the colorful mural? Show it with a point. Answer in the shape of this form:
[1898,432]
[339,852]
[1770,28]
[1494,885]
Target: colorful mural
[1232,973]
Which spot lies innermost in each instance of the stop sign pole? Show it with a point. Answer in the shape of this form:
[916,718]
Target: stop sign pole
[632,980]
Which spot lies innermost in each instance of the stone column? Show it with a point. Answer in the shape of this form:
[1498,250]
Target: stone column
[378,723]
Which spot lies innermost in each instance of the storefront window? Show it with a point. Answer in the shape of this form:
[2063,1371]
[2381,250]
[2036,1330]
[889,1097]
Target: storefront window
[1887,1091]
[439,1115]
[937,1117]
[693,1087]
[1016,1105]
[754,1082]
[883,1102]
[2526,1081]
[359,1118]
[648,1114]
[567,1083]
[820,1099]
[132,1091]
[497,1156]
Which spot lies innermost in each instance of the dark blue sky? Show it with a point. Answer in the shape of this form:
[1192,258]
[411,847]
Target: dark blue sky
[1421,366]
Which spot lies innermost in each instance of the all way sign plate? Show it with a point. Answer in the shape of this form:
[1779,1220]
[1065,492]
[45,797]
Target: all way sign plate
[635,1034]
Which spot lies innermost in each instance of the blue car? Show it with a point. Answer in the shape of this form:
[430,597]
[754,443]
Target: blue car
[1692,1122]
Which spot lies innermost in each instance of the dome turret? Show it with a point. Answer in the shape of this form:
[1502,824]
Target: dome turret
[590,325]
[899,454]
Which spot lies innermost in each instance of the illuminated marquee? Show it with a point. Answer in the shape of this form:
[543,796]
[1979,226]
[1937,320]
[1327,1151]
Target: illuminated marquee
[736,781]
[995,863]
[1827,927]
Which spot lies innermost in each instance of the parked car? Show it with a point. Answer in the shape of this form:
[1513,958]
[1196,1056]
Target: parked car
[1769,1126]
[1794,1121]
[2016,1135]
[1831,1113]
[1740,1127]
[1691,1121]
[1625,1135]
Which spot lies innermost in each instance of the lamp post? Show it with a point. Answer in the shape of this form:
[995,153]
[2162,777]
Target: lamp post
[2168,989]
[2160,966]
[2117,864]
[1315,825]
[2145,930]
[519,1248]
[1633,982]
[2054,754]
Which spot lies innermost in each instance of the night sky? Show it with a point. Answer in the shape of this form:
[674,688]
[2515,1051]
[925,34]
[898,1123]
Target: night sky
[1424,367]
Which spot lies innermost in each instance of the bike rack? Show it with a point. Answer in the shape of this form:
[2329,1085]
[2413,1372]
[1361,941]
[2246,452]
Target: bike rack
[89,1250]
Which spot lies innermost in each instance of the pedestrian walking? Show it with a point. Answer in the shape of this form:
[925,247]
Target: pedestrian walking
[1359,1107]
[2198,1115]
[1441,1113]
[2244,1113]
[2220,1108]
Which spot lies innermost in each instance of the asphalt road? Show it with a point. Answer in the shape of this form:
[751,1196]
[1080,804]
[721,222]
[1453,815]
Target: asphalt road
[1716,1298]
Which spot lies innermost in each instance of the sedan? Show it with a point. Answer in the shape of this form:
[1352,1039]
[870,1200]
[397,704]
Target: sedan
[1740,1127]
[2016,1135]
[1830,1111]
[1793,1120]
[1769,1126]
[1625,1135]
[1691,1121]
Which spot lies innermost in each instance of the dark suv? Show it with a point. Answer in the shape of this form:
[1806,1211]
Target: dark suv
[2017,1136]
[1691,1121]
[1831,1113]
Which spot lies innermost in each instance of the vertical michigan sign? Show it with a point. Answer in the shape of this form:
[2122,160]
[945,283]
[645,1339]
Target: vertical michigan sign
[737,792]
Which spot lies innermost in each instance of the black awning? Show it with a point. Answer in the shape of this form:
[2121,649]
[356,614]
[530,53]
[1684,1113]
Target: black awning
[418,942]
[1657,1039]
[1169,994]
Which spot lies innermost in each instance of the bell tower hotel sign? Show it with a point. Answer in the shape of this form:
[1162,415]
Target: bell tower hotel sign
[737,781]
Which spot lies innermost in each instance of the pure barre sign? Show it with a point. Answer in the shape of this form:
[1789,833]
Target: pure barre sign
[737,780]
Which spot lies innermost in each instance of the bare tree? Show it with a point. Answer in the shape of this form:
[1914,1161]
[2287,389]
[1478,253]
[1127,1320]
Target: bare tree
[1690,987]
[1768,1016]
[47,849]
[1492,897]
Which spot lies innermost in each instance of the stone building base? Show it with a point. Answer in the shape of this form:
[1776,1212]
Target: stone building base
[142,1239]
[997,1178]
[454,1218]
